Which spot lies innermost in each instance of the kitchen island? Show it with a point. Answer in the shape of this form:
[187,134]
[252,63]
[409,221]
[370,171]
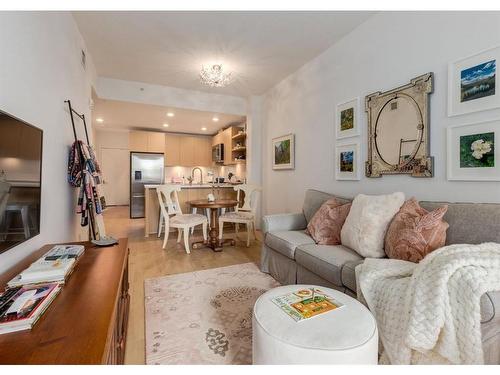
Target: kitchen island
[188,192]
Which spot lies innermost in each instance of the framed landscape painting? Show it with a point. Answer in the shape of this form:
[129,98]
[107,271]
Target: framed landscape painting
[347,161]
[284,152]
[473,152]
[472,83]
[347,118]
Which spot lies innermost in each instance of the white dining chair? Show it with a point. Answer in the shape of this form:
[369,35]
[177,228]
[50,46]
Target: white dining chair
[172,216]
[244,214]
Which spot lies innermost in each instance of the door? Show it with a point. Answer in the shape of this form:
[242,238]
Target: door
[115,170]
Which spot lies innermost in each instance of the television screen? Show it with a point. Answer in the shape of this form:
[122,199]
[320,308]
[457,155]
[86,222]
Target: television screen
[20,181]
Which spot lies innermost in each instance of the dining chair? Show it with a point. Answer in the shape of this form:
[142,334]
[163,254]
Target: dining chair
[244,214]
[172,216]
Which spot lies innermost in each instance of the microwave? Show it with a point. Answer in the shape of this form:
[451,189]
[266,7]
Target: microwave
[218,153]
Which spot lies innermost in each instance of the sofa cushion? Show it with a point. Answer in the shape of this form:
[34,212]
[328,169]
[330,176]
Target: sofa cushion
[325,260]
[285,242]
[415,232]
[348,275]
[314,199]
[326,224]
[472,223]
[365,227]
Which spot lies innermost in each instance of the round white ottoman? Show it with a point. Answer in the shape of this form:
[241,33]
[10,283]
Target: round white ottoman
[347,335]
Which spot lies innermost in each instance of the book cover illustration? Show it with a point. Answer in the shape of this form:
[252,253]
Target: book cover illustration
[306,303]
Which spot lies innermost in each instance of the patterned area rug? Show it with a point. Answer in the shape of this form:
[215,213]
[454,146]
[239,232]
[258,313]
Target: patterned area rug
[203,317]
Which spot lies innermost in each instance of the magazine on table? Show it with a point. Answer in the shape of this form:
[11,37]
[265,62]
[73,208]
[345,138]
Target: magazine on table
[20,308]
[64,251]
[307,303]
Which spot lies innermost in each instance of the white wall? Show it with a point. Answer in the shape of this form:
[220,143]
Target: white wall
[40,68]
[384,52]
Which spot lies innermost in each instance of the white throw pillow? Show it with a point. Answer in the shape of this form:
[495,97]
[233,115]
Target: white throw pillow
[365,227]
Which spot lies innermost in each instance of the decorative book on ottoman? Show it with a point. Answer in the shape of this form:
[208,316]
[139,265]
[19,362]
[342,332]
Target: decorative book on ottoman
[306,303]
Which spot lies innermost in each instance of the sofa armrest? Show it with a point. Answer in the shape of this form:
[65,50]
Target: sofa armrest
[273,223]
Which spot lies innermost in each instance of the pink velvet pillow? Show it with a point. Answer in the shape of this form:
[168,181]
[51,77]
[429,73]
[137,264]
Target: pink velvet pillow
[326,224]
[414,232]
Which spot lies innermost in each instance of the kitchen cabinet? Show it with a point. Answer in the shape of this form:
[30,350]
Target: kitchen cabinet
[187,145]
[172,150]
[202,151]
[143,141]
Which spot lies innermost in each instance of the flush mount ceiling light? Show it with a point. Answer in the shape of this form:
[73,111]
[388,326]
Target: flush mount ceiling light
[170,114]
[215,76]
[215,119]
[99,120]
[165,125]
[203,129]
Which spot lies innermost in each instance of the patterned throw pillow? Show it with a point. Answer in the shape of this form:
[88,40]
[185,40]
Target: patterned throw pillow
[415,232]
[326,224]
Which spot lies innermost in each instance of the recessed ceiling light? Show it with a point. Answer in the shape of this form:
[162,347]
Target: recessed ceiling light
[215,119]
[99,119]
[203,128]
[165,125]
[170,114]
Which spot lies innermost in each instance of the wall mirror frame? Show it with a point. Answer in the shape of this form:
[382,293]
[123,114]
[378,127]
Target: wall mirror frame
[398,130]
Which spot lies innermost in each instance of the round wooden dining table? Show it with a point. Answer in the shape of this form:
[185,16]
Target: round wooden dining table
[213,241]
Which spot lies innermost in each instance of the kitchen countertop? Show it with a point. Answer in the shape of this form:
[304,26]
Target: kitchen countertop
[196,186]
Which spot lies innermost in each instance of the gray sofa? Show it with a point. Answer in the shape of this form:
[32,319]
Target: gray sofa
[292,257]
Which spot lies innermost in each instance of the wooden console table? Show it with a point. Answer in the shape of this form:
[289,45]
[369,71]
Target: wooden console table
[87,321]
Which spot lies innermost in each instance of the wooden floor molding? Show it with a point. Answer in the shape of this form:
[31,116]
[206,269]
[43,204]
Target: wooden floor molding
[148,259]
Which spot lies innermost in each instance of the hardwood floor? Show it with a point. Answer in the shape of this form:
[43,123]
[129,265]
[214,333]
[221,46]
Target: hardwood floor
[147,259]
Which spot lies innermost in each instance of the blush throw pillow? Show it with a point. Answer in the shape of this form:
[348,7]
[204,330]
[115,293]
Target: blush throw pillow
[365,227]
[415,232]
[326,224]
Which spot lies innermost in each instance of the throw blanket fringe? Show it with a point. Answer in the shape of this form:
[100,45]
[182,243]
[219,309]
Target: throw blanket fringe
[430,312]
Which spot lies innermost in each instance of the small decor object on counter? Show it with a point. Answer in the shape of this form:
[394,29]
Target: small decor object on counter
[20,308]
[284,152]
[210,197]
[306,303]
[472,152]
[472,83]
[348,162]
[347,119]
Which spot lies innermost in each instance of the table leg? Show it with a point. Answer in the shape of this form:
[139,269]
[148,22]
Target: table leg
[213,241]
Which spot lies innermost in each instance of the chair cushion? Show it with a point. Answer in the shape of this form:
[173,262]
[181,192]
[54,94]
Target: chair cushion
[365,227]
[236,215]
[325,260]
[349,274]
[187,219]
[285,242]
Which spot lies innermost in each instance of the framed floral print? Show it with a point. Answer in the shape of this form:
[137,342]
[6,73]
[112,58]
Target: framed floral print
[347,119]
[348,161]
[472,83]
[284,152]
[473,153]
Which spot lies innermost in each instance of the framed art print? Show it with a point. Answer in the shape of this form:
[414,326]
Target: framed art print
[473,152]
[347,118]
[284,152]
[348,161]
[472,83]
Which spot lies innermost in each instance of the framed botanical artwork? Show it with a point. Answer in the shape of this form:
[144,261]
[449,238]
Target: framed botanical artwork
[473,154]
[284,152]
[348,161]
[347,118]
[472,83]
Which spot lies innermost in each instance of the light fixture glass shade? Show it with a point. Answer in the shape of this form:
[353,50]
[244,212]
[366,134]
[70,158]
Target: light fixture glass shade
[214,76]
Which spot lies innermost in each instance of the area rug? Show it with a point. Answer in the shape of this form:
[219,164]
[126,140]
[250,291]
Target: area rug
[203,317]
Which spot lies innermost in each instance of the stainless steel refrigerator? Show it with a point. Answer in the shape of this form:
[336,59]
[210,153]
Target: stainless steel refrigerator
[146,168]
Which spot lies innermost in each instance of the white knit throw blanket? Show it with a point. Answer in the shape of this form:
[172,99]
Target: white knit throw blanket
[430,312]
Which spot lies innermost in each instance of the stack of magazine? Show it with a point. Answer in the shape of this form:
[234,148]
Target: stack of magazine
[30,293]
[54,266]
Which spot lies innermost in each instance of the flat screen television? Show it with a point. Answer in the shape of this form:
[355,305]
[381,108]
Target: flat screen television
[20,180]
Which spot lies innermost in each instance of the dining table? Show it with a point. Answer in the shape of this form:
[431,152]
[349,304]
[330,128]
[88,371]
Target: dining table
[213,241]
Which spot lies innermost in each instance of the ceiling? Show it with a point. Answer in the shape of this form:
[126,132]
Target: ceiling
[126,115]
[169,48]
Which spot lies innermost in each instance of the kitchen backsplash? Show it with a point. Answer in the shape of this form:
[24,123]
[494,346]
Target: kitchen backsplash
[238,170]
